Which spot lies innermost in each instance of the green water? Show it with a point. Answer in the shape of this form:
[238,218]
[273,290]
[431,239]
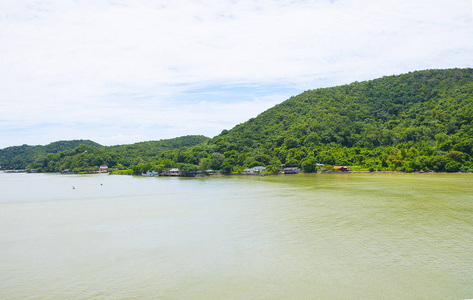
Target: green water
[345,236]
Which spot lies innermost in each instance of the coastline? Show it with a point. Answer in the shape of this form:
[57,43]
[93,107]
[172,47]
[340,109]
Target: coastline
[232,174]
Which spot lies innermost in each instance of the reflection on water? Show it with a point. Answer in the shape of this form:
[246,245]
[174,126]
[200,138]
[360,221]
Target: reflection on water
[367,236]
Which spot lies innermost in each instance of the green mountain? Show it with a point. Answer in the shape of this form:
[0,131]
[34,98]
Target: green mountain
[85,154]
[411,122]
[18,157]
[419,120]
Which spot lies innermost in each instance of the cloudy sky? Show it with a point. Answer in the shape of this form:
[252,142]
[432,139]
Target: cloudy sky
[119,72]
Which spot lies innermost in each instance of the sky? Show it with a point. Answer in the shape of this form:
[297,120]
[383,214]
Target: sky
[120,72]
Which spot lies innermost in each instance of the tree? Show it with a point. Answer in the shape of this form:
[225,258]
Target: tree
[226,168]
[204,164]
[188,168]
[312,139]
[309,166]
[216,160]
[273,169]
[291,142]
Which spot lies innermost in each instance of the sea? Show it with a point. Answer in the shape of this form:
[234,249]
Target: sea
[312,236]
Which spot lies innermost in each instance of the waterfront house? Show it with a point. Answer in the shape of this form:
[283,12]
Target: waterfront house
[150,173]
[254,170]
[341,168]
[291,170]
[259,169]
[103,169]
[172,172]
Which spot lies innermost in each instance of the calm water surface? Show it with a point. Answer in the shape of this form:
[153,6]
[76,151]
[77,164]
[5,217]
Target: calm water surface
[345,236]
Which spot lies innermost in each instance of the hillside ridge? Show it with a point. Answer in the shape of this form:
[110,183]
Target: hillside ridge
[416,121]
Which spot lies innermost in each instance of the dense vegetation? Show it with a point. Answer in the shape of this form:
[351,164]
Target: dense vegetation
[87,156]
[416,121]
[18,157]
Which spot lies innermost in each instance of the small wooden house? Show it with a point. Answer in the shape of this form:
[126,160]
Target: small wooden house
[291,170]
[172,172]
[341,168]
[254,170]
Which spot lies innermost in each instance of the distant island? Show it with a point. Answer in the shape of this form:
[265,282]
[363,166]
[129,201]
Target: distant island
[420,121]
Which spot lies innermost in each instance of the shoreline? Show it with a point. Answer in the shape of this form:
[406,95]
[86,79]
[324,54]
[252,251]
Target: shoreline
[239,174]
[234,174]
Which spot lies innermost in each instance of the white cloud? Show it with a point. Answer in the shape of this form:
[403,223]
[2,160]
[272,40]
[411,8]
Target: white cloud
[129,67]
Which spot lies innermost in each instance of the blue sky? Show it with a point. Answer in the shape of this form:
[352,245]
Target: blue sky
[120,72]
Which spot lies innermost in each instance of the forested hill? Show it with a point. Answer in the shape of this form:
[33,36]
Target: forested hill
[18,157]
[156,148]
[411,122]
[88,155]
[419,120]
